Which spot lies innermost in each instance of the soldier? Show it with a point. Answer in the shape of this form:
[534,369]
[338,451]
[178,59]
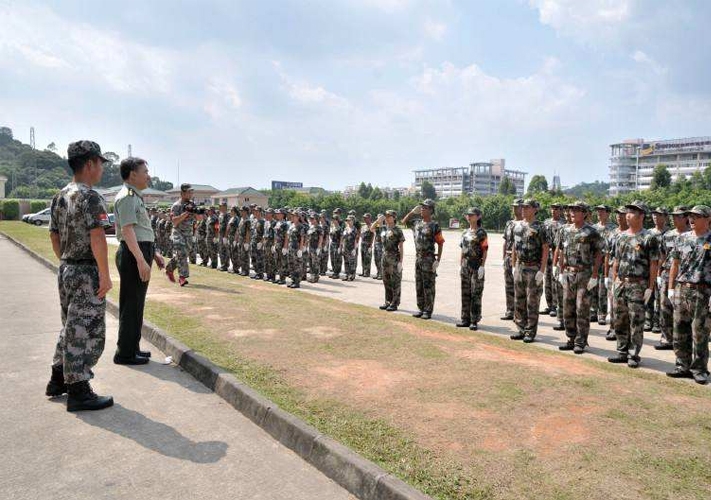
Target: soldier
[335,234]
[528,259]
[604,227]
[213,230]
[201,235]
[475,246]
[660,217]
[634,276]
[349,249]
[668,242]
[304,224]
[427,233]
[223,247]
[76,228]
[507,249]
[378,249]
[581,252]
[551,225]
[244,235]
[556,236]
[232,248]
[168,234]
[393,241]
[366,245]
[314,241]
[609,260]
[269,268]
[181,236]
[295,242]
[325,224]
[257,243]
[280,249]
[690,289]
[192,250]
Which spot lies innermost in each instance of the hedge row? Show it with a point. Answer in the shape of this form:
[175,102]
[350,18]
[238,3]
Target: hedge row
[10,208]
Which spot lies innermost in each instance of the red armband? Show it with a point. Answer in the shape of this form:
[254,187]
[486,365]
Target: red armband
[439,239]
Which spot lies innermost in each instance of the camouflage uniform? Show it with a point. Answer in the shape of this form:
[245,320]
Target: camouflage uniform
[634,253]
[508,269]
[269,254]
[232,247]
[392,277]
[580,247]
[201,232]
[75,211]
[223,246]
[305,258]
[257,246]
[168,236]
[280,260]
[666,308]
[192,251]
[529,240]
[378,252]
[653,308]
[473,244]
[598,305]
[324,223]
[425,234]
[243,229]
[551,289]
[349,252]
[692,320]
[182,238]
[213,231]
[293,235]
[335,235]
[366,248]
[313,235]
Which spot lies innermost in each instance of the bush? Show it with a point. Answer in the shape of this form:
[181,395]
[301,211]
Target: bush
[37,206]
[11,210]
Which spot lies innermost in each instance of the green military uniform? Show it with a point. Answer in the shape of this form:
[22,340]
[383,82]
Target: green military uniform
[599,294]
[335,234]
[349,251]
[392,263]
[366,247]
[243,235]
[313,247]
[473,243]
[257,246]
[378,251]
[294,238]
[233,249]
[324,223]
[280,258]
[201,235]
[426,234]
[269,251]
[508,269]
[223,244]
[181,237]
[552,287]
[666,307]
[653,308]
[212,238]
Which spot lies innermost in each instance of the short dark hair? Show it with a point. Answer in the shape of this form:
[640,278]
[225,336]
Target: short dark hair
[77,164]
[129,165]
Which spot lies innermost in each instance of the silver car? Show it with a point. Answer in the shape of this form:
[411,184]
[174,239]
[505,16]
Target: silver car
[39,218]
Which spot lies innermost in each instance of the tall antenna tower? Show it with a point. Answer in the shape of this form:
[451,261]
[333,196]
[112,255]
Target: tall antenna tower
[129,151]
[32,137]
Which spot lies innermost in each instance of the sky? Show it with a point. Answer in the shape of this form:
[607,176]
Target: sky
[335,92]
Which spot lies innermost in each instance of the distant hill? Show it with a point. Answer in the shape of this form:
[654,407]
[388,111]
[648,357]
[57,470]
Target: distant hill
[596,188]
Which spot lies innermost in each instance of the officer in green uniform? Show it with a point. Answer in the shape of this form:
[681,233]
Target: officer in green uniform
[244,236]
[690,289]
[427,233]
[76,228]
[475,247]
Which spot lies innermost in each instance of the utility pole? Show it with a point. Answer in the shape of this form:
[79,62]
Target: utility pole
[32,137]
[178,172]
[129,151]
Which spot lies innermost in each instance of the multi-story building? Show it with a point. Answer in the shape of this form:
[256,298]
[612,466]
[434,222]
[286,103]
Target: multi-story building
[632,162]
[482,178]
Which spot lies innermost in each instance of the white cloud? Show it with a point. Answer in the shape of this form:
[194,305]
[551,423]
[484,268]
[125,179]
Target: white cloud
[642,58]
[389,6]
[307,93]
[435,30]
[222,97]
[583,18]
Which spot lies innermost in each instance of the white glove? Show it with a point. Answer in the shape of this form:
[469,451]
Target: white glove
[318,251]
[299,253]
[464,263]
[353,252]
[540,277]
[215,240]
[273,248]
[234,244]
[561,278]
[435,265]
[659,282]
[194,239]
[399,267]
[555,272]
[608,282]
[670,294]
[592,283]
[515,273]
[647,295]
[246,246]
[284,251]
[224,241]
[259,245]
[480,273]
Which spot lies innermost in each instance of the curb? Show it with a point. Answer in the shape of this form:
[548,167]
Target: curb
[359,476]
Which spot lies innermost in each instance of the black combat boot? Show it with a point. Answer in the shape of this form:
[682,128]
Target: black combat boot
[56,386]
[81,397]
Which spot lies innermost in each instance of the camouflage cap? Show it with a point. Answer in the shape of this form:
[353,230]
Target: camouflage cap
[621,210]
[252,205]
[351,218]
[367,215]
[517,202]
[579,205]
[700,211]
[555,204]
[336,210]
[607,208]
[87,149]
[245,208]
[389,213]
[269,210]
[277,211]
[312,215]
[351,212]
[638,205]
[185,187]
[429,203]
[323,211]
[530,202]
[661,211]
[680,210]
[234,208]
[474,211]
[223,204]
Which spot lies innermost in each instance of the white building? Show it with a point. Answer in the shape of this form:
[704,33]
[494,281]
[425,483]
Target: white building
[482,178]
[632,162]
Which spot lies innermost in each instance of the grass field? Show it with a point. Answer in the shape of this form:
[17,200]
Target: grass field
[456,414]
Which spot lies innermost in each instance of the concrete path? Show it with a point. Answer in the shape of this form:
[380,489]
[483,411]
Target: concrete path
[166,437]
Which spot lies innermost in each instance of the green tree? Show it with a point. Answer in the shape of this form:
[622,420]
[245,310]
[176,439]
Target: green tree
[377,194]
[51,147]
[428,190]
[160,185]
[507,186]
[396,195]
[660,177]
[538,184]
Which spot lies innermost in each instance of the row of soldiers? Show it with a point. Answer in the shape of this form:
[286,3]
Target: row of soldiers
[636,274]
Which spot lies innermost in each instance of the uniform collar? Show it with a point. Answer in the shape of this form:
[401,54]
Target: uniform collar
[135,189]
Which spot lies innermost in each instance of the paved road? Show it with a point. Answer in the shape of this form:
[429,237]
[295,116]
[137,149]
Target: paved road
[166,437]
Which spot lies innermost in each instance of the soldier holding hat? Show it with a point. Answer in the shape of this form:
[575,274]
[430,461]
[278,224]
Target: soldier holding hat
[427,233]
[475,246]
[507,250]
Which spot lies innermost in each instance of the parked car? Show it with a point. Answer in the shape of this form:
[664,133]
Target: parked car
[112,228]
[39,218]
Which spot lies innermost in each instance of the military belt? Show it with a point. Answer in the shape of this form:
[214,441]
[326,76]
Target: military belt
[695,286]
[80,262]
[633,279]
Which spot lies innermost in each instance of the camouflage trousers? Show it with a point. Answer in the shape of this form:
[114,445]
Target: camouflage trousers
[202,250]
[192,251]
[243,258]
[691,328]
[324,259]
[366,257]
[223,249]
[551,296]
[651,311]
[305,263]
[257,258]
[83,335]
[181,249]
[425,283]
[314,264]
[295,266]
[234,255]
[212,251]
[269,260]
[378,256]
[335,259]
[281,263]
[576,306]
[509,284]
[527,299]
[666,311]
[628,301]
[350,262]
[472,289]
[598,297]
[392,280]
